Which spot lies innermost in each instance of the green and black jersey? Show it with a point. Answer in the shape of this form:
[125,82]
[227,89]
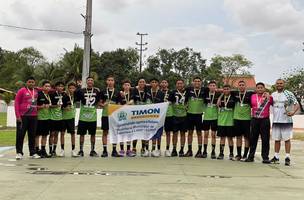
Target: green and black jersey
[56,111]
[211,109]
[68,107]
[89,99]
[179,103]
[242,110]
[109,96]
[226,109]
[195,100]
[43,99]
[166,99]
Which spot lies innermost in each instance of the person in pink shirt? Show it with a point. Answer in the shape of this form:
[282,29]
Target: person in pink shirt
[26,115]
[260,122]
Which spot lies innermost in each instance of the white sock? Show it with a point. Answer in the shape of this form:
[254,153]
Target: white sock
[287,155]
[276,155]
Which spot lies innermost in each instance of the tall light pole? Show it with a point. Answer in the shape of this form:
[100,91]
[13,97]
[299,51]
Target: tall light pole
[87,44]
[141,48]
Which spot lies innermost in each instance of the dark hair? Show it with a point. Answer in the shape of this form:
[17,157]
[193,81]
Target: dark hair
[90,77]
[197,77]
[164,80]
[59,83]
[110,76]
[226,86]
[72,84]
[126,81]
[154,79]
[140,79]
[30,78]
[46,82]
[212,82]
[180,80]
[260,83]
[242,81]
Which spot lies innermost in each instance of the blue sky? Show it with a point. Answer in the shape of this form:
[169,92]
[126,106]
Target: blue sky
[268,32]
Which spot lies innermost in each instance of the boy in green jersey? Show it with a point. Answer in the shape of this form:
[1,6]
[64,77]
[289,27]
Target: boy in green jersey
[225,121]
[68,114]
[169,116]
[43,124]
[195,98]
[210,118]
[179,104]
[56,119]
[108,96]
[242,119]
[89,99]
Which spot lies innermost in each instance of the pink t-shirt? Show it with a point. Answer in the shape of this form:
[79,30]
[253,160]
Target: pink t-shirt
[26,102]
[260,106]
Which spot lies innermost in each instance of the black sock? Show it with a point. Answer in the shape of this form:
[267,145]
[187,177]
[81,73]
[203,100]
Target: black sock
[200,147]
[37,149]
[189,147]
[50,148]
[73,146]
[231,149]
[81,146]
[43,148]
[114,147]
[134,143]
[105,148]
[182,148]
[239,151]
[121,147]
[246,152]
[174,147]
[153,147]
[213,148]
[158,147]
[222,146]
[205,148]
[128,147]
[167,147]
[147,145]
[92,146]
[54,147]
[62,146]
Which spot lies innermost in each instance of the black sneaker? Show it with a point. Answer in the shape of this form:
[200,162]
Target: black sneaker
[189,153]
[93,154]
[213,155]
[249,160]
[181,153]
[54,154]
[231,156]
[104,154]
[275,160]
[287,161]
[174,153]
[205,154]
[43,154]
[39,152]
[220,156]
[81,153]
[266,161]
[115,154]
[199,154]
[237,158]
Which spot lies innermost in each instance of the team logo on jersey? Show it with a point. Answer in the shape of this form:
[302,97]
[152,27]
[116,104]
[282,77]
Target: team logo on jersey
[122,116]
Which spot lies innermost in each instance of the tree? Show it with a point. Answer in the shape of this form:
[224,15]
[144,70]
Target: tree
[295,81]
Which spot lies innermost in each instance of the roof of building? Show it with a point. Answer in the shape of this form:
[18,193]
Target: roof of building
[234,80]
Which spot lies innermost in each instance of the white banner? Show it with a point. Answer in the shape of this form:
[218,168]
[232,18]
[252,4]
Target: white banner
[136,122]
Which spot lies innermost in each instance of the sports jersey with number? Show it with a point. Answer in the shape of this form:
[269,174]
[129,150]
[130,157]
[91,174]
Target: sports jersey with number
[56,112]
[179,103]
[43,99]
[195,99]
[89,99]
[68,106]
[225,115]
[242,109]
[109,97]
[211,109]
[166,99]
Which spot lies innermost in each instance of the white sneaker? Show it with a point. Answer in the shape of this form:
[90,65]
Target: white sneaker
[167,153]
[146,153]
[19,156]
[155,153]
[74,154]
[35,156]
[61,154]
[159,153]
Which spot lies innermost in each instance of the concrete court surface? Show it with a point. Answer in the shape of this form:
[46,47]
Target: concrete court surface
[149,178]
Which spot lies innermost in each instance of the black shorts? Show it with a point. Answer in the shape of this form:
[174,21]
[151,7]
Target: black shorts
[56,125]
[210,124]
[69,125]
[43,128]
[84,127]
[169,124]
[105,123]
[194,121]
[242,128]
[180,124]
[225,131]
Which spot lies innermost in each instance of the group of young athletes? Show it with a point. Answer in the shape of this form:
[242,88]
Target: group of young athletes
[46,113]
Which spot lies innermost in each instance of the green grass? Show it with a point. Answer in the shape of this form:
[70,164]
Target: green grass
[298,136]
[7,137]
[3,119]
